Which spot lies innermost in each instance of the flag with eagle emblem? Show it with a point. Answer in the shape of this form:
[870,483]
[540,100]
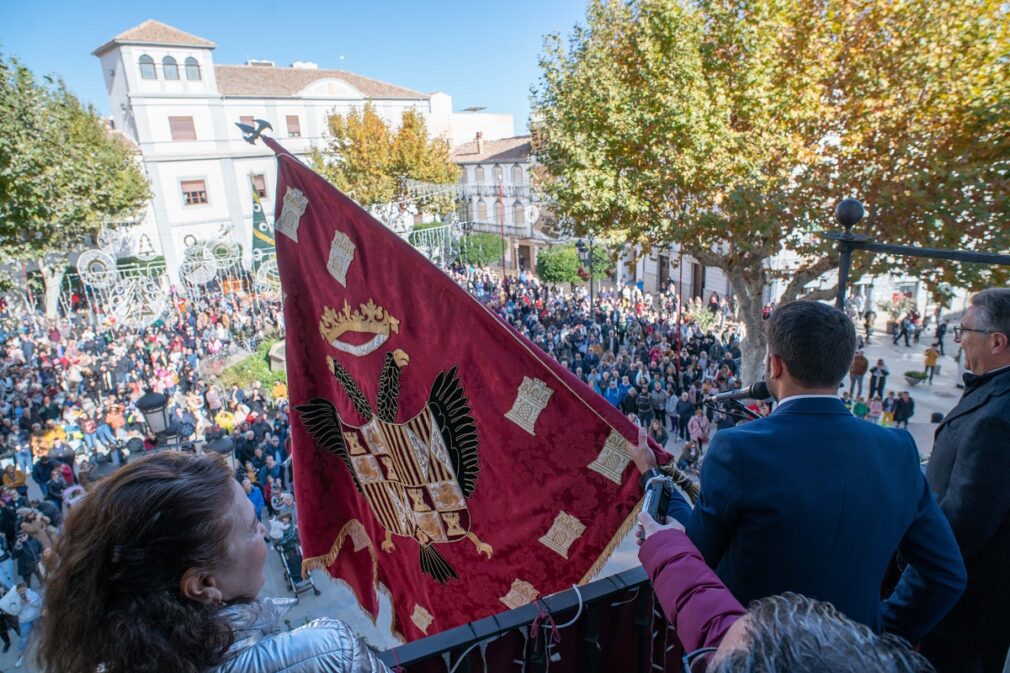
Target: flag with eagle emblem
[437,452]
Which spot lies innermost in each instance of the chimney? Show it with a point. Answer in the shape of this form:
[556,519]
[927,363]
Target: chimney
[480,143]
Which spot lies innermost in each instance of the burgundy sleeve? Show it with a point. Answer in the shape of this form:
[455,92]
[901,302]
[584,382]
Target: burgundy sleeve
[693,598]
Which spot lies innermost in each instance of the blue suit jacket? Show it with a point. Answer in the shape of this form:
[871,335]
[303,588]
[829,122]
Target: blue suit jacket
[815,501]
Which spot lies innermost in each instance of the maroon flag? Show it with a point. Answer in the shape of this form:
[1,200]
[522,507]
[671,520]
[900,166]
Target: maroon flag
[437,452]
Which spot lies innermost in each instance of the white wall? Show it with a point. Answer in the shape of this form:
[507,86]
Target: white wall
[219,156]
[465,125]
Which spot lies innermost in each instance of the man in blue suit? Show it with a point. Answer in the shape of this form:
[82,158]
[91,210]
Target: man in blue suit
[814,500]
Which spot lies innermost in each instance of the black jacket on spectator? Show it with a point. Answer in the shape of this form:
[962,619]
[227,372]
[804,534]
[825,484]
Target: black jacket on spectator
[969,471]
[629,405]
[904,410]
[42,470]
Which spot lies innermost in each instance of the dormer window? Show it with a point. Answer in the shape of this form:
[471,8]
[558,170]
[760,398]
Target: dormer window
[170,68]
[192,69]
[147,68]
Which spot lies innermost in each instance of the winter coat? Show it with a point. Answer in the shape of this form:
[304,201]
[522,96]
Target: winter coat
[27,552]
[695,601]
[698,427]
[321,646]
[969,471]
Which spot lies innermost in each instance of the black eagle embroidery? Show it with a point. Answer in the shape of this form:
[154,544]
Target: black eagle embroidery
[417,475]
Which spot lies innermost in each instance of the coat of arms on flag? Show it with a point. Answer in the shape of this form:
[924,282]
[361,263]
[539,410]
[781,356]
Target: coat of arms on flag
[437,452]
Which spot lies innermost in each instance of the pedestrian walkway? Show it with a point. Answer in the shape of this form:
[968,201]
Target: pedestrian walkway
[940,397]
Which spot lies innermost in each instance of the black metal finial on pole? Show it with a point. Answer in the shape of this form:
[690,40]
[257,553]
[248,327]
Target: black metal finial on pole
[251,134]
[848,213]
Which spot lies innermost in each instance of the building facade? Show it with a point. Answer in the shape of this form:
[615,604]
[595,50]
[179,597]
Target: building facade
[168,96]
[496,184]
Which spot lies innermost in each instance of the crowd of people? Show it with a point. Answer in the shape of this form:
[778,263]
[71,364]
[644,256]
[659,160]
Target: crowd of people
[644,353]
[69,389]
[68,414]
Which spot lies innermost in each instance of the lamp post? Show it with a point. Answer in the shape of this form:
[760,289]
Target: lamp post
[850,211]
[170,435]
[223,446]
[154,407]
[586,257]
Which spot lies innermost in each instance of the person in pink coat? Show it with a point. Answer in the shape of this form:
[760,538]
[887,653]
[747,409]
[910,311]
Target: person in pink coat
[786,634]
[698,428]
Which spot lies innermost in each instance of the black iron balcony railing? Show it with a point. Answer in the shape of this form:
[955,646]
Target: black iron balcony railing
[612,624]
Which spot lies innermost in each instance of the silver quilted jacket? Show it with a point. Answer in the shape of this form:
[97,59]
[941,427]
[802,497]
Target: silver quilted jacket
[321,646]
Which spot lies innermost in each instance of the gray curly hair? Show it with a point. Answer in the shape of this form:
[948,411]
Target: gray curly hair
[795,634]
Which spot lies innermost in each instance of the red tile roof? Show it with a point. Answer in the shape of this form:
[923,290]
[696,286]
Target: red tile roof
[516,149]
[258,80]
[155,32]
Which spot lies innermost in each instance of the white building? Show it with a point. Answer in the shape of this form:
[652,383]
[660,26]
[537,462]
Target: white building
[168,96]
[496,182]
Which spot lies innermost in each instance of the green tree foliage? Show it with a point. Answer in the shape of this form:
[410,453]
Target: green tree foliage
[602,263]
[480,249]
[733,127]
[558,264]
[63,174]
[369,161]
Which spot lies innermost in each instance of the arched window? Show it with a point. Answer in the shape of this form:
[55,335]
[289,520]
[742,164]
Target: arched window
[147,68]
[478,175]
[517,175]
[462,175]
[497,175]
[170,68]
[192,69]
[481,211]
[518,214]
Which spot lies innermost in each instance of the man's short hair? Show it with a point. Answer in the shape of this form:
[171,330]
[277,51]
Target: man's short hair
[993,310]
[795,634]
[816,342]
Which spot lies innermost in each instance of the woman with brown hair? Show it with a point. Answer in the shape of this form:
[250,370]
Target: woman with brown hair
[158,570]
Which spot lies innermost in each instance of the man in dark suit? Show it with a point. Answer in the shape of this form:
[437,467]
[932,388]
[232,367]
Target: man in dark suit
[814,500]
[969,471]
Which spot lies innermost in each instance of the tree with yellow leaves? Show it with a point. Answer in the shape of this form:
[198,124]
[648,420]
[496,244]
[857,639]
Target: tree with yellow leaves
[733,127]
[370,161]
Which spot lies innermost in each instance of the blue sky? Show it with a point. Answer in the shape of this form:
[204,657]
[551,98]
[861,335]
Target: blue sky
[480,53]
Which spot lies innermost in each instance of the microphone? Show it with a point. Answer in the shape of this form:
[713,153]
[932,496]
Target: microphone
[755,391]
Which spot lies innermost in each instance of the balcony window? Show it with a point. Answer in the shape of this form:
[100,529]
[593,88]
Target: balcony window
[182,128]
[147,70]
[170,68]
[259,185]
[194,192]
[192,69]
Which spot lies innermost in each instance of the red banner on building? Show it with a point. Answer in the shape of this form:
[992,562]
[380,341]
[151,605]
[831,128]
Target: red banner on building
[436,450]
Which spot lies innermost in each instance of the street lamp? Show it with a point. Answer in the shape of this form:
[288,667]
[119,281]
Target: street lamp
[224,447]
[154,407]
[586,256]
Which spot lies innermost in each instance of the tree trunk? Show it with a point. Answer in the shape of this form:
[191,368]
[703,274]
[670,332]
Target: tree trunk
[753,348]
[52,276]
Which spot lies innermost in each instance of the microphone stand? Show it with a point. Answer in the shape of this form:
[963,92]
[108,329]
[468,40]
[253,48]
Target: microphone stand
[740,411]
